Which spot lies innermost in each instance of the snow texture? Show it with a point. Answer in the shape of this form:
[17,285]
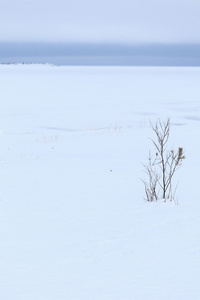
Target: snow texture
[73,221]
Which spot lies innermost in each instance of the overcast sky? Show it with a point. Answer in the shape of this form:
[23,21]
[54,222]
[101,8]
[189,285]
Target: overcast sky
[121,21]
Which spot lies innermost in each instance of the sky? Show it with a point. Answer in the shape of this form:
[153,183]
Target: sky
[100,21]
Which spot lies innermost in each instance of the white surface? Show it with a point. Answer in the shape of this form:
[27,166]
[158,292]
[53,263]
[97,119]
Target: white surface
[70,228]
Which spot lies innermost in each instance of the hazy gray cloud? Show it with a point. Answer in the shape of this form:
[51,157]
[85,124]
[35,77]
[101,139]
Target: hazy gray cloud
[128,21]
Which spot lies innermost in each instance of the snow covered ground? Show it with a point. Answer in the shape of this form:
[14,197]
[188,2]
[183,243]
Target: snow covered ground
[73,221]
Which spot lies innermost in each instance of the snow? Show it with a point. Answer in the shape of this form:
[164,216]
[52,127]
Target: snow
[74,224]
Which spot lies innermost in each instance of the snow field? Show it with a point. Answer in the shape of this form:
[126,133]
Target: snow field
[74,224]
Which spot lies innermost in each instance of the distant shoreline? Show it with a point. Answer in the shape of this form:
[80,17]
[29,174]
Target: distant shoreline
[104,61]
[101,54]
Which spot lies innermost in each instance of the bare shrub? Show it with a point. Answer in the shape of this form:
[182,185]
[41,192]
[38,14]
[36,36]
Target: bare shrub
[161,168]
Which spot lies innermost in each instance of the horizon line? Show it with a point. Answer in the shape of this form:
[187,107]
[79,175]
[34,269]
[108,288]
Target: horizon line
[100,53]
